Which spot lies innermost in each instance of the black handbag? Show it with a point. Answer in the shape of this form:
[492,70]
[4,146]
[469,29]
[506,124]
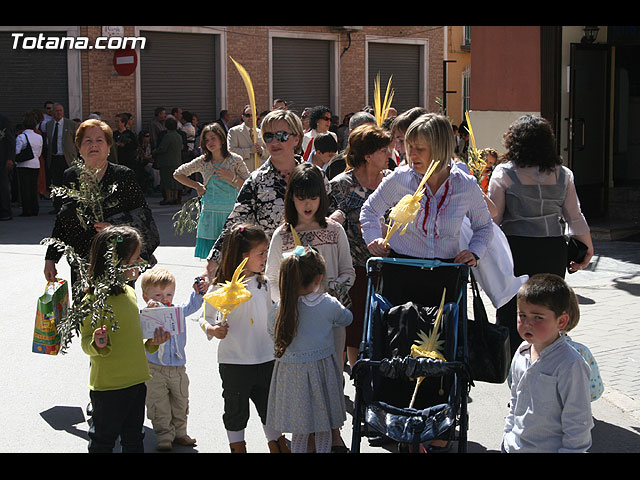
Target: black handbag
[576,251]
[488,344]
[26,153]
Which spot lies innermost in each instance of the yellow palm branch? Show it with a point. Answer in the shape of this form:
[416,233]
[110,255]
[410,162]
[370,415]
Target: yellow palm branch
[381,108]
[230,294]
[408,207]
[296,238]
[475,161]
[252,102]
[429,345]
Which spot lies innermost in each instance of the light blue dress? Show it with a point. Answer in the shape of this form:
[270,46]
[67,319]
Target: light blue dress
[216,205]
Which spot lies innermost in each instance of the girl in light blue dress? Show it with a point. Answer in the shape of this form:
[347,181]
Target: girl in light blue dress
[223,173]
[306,395]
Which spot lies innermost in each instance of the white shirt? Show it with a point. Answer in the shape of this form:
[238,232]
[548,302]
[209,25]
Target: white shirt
[248,341]
[58,139]
[435,232]
[35,140]
[312,134]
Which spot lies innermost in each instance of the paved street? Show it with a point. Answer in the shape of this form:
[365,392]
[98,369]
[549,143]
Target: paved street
[44,398]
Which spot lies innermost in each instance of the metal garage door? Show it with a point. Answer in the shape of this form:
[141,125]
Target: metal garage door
[302,72]
[29,77]
[403,62]
[178,70]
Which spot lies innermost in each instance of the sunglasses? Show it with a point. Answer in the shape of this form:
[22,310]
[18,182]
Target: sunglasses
[328,119]
[280,135]
[248,115]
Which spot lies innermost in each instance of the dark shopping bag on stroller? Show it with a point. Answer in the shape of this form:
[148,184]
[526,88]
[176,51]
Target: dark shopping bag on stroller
[406,324]
[52,306]
[488,344]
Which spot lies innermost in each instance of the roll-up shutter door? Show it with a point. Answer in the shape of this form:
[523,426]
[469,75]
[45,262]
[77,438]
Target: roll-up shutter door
[29,77]
[302,72]
[403,62]
[178,70]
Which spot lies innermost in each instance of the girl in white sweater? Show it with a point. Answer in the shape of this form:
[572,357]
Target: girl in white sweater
[305,209]
[245,352]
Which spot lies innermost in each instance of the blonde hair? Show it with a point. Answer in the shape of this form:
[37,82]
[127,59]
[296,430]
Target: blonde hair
[435,130]
[92,122]
[156,277]
[294,122]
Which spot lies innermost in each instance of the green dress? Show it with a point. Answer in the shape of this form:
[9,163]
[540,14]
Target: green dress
[216,205]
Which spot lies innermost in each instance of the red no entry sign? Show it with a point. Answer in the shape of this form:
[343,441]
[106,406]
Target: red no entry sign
[125,61]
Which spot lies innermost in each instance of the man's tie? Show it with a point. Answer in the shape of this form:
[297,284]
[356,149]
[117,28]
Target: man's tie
[55,139]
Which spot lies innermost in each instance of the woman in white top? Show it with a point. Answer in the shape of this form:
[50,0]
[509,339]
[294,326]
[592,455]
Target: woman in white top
[535,200]
[223,173]
[27,171]
[319,122]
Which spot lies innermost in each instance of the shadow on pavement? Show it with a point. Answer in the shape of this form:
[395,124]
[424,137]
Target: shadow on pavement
[66,419]
[608,438]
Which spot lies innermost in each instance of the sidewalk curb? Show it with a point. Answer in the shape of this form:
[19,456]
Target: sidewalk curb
[625,403]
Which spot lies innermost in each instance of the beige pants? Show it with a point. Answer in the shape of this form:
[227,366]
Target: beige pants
[168,401]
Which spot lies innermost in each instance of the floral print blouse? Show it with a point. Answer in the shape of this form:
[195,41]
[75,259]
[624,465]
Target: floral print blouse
[349,196]
[260,202]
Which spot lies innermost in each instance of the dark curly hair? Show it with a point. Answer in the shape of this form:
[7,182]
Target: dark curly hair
[530,142]
[316,114]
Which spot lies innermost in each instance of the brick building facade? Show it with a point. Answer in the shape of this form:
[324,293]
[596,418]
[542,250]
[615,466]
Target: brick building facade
[350,58]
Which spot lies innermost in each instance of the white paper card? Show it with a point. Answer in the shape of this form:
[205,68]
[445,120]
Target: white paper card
[171,319]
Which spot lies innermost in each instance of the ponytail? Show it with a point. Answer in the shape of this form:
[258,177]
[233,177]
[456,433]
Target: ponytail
[298,270]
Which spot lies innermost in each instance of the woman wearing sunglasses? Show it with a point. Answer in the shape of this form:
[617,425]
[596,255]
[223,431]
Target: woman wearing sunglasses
[261,198]
[319,122]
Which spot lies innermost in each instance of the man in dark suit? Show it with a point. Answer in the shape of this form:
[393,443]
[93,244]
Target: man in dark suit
[61,151]
[7,155]
[225,118]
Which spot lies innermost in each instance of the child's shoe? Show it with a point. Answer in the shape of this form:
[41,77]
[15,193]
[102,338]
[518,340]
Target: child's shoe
[164,445]
[185,441]
[279,446]
[238,447]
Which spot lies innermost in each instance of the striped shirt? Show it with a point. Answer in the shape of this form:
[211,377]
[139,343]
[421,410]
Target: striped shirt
[435,232]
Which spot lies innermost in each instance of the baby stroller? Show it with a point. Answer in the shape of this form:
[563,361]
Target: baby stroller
[386,372]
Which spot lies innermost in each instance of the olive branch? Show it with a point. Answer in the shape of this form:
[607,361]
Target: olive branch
[94,305]
[90,198]
[186,219]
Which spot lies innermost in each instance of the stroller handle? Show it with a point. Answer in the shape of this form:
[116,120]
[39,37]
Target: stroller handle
[424,263]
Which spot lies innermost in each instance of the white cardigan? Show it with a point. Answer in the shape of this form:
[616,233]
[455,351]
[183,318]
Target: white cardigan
[35,140]
[330,242]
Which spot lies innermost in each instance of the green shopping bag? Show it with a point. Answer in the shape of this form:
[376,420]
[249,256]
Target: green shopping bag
[52,306]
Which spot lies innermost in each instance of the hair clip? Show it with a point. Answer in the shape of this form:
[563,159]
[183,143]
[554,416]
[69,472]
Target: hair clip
[118,238]
[241,228]
[298,252]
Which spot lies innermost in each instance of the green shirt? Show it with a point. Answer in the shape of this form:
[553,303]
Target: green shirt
[123,362]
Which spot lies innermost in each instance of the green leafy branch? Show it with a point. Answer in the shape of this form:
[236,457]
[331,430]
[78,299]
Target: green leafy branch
[90,198]
[94,305]
[186,219]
